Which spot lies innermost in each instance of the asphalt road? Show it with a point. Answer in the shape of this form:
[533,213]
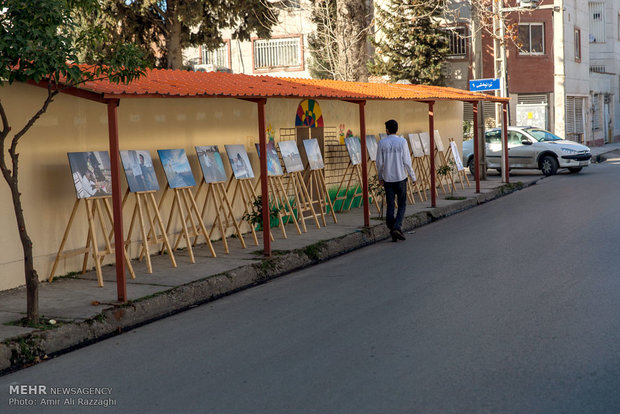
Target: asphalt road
[510,307]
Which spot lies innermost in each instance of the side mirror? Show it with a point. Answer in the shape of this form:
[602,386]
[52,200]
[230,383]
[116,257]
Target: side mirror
[526,142]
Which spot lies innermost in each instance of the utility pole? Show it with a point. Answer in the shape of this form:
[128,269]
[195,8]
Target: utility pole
[477,73]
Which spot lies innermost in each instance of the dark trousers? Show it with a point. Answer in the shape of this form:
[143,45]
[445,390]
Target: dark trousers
[398,191]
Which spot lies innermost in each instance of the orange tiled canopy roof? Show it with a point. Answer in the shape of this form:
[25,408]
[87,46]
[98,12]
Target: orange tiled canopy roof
[178,83]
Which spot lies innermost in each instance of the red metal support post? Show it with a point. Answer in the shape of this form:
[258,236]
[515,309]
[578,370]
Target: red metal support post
[476,154]
[362,105]
[119,250]
[262,143]
[431,133]
[505,142]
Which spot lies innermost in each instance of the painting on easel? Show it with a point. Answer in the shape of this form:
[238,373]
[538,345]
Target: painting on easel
[313,153]
[354,147]
[211,163]
[371,145]
[291,156]
[91,172]
[239,161]
[139,171]
[274,168]
[177,168]
[416,145]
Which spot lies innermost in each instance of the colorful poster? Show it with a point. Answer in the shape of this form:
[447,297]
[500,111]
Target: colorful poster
[274,168]
[211,164]
[91,172]
[176,166]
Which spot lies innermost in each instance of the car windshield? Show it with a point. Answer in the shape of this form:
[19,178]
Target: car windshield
[541,135]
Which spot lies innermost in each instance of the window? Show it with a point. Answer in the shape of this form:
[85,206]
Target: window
[515,138]
[217,57]
[597,22]
[575,119]
[278,53]
[457,41]
[531,39]
[577,45]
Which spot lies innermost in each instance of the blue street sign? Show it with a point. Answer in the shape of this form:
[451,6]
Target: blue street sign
[484,85]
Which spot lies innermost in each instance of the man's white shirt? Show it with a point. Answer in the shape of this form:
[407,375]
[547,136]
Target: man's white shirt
[393,159]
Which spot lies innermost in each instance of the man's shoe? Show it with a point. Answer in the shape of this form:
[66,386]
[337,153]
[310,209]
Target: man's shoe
[399,235]
[394,236]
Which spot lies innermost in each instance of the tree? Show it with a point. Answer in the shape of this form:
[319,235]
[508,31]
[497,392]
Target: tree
[409,42]
[339,45]
[39,41]
[163,28]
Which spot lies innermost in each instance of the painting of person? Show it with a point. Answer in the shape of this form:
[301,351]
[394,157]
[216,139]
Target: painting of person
[211,163]
[139,171]
[313,153]
[91,173]
[239,161]
[176,166]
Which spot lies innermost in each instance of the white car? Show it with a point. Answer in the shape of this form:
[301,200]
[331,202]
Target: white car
[531,148]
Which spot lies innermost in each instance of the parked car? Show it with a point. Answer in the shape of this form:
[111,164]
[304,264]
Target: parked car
[531,148]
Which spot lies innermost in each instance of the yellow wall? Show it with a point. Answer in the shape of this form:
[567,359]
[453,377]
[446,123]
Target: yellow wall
[72,124]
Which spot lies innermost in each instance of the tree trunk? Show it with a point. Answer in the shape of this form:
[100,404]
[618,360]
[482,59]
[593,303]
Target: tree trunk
[174,56]
[351,32]
[32,278]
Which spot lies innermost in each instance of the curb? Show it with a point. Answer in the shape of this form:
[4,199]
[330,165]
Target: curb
[25,350]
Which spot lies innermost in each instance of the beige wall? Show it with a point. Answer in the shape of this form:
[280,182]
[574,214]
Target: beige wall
[73,124]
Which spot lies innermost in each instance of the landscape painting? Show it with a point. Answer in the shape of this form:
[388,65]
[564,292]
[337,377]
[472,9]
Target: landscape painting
[416,145]
[239,161]
[177,168]
[291,156]
[426,142]
[139,171]
[211,163]
[91,172]
[274,168]
[313,153]
[354,147]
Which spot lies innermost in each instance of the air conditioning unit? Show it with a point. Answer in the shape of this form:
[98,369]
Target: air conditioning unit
[205,68]
[529,4]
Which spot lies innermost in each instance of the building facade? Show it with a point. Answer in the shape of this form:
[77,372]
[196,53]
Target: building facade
[563,66]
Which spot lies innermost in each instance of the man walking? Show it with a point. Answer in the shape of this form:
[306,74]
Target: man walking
[393,165]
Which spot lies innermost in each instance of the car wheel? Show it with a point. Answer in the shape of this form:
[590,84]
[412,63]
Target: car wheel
[471,166]
[575,170]
[548,165]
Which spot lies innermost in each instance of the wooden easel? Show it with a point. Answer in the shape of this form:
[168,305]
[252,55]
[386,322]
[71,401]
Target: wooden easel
[319,196]
[426,143]
[278,197]
[244,191]
[94,207]
[454,156]
[351,171]
[302,199]
[419,166]
[184,205]
[145,202]
[449,179]
[222,208]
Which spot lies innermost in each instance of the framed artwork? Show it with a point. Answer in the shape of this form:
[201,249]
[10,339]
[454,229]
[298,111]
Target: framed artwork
[313,153]
[139,171]
[371,146]
[416,145]
[426,142]
[91,172]
[177,168]
[439,142]
[239,161]
[354,147]
[457,156]
[211,163]
[291,156]
[274,168]
[382,135]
